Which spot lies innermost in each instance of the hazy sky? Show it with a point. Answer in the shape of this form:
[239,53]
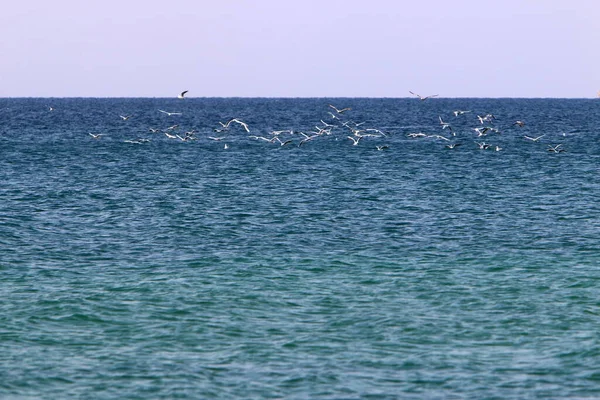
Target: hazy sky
[300,48]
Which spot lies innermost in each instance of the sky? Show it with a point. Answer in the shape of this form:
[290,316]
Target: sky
[302,48]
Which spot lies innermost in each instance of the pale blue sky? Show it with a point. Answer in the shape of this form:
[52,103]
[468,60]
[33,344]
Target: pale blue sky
[307,48]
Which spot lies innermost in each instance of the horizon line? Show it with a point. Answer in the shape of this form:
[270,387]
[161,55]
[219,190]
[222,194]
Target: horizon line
[288,97]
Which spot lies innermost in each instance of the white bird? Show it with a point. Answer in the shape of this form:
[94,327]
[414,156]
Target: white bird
[452,145]
[153,130]
[481,131]
[306,138]
[422,98]
[483,146]
[487,117]
[439,137]
[343,110]
[375,130]
[498,148]
[327,125]
[170,136]
[237,121]
[355,140]
[460,112]
[281,142]
[170,113]
[555,149]
[96,136]
[519,123]
[383,147]
[262,138]
[125,117]
[533,139]
[182,94]
[444,124]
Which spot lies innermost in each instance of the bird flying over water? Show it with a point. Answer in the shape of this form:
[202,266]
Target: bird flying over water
[237,121]
[170,113]
[340,111]
[182,94]
[460,112]
[534,139]
[555,149]
[422,98]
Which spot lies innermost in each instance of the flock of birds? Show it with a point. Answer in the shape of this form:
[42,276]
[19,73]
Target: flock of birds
[353,132]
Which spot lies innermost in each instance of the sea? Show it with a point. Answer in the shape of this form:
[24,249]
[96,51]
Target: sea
[316,254]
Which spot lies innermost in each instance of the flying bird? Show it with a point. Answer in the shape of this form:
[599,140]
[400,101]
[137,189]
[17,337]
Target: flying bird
[534,139]
[423,98]
[453,145]
[556,149]
[182,94]
[237,121]
[460,112]
[169,113]
[343,110]
[444,124]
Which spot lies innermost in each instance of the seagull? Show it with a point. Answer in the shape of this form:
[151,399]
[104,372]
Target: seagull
[169,113]
[170,136]
[340,111]
[172,127]
[460,112]
[96,136]
[380,148]
[355,140]
[498,148]
[453,145]
[534,139]
[327,125]
[237,121]
[182,94]
[423,98]
[281,142]
[439,137]
[555,149]
[481,131]
[519,123]
[444,124]
[262,138]
[416,135]
[276,133]
[125,117]
[375,130]
[487,117]
[306,138]
[483,145]
[50,108]
[152,130]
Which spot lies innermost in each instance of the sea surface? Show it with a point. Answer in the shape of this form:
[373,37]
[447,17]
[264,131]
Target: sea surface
[216,265]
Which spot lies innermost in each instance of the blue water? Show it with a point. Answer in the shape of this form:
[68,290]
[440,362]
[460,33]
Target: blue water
[163,268]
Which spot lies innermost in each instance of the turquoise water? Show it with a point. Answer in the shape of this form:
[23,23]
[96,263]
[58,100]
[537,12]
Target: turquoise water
[163,268]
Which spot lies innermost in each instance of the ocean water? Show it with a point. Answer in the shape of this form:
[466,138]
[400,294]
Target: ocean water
[138,266]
